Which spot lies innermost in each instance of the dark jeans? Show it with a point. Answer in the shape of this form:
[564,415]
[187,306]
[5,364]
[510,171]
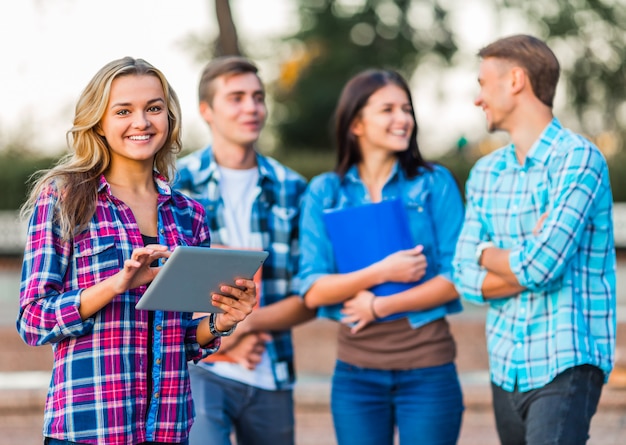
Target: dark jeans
[558,413]
[50,441]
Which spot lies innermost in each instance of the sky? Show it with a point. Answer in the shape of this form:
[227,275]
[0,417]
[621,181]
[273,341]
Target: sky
[50,51]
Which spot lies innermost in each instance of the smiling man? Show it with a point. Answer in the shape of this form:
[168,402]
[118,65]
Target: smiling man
[252,202]
[537,245]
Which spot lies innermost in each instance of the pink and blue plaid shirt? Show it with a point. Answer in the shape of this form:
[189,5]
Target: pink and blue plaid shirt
[99,388]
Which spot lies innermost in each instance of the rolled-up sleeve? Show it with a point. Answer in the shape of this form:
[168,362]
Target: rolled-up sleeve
[468,276]
[48,312]
[580,176]
[193,350]
[316,255]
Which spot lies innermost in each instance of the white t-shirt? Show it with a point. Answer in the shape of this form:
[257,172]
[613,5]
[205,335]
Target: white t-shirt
[239,189]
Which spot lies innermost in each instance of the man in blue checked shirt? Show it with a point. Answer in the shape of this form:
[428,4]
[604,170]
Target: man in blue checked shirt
[252,202]
[537,245]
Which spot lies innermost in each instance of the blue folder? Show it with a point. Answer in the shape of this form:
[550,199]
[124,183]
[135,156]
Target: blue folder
[365,234]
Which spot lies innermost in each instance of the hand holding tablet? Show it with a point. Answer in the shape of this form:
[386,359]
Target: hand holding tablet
[192,274]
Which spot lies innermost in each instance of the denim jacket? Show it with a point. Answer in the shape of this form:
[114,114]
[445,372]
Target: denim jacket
[435,210]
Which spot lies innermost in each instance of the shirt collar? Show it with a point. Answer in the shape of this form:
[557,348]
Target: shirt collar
[540,150]
[352,174]
[161,183]
[266,172]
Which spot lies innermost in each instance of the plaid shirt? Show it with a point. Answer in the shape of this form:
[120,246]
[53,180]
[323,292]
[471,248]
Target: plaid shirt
[274,227]
[566,317]
[99,388]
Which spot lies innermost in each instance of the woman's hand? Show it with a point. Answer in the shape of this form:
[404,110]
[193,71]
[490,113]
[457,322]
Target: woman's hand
[236,302]
[404,266]
[359,311]
[137,270]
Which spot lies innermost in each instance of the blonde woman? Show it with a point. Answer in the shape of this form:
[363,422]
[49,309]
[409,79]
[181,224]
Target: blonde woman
[101,222]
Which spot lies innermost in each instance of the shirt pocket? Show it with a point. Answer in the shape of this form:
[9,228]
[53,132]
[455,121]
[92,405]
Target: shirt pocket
[420,224]
[96,259]
[423,231]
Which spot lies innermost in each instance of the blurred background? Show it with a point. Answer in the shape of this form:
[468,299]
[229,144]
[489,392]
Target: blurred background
[306,51]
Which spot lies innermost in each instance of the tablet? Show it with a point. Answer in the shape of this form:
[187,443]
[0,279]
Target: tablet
[191,274]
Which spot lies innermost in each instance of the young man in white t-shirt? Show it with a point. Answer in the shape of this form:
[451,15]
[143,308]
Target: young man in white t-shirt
[252,202]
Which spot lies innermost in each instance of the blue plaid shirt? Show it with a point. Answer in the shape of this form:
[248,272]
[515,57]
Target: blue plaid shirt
[274,226]
[566,315]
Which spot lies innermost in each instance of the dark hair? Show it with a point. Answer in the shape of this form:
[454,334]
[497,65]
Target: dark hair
[220,66]
[534,56]
[353,98]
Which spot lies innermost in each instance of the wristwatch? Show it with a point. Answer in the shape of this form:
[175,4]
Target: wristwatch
[214,331]
[480,248]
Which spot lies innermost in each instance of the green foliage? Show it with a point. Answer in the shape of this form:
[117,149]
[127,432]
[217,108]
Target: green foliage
[460,167]
[591,38]
[617,174]
[335,42]
[339,38]
[307,162]
[15,171]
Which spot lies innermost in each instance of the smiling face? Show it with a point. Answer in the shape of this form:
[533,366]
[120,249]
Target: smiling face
[385,122]
[135,123]
[495,96]
[237,112]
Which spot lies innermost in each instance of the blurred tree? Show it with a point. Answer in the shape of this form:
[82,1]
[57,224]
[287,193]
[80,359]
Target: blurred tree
[227,42]
[590,37]
[16,168]
[339,38]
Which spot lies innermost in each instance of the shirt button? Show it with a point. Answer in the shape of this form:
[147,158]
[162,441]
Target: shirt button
[156,395]
[518,345]
[158,327]
[522,174]
[162,231]
[420,209]
[158,361]
[522,311]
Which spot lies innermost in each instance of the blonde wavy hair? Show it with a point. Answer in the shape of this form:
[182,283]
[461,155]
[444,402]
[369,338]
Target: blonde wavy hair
[76,176]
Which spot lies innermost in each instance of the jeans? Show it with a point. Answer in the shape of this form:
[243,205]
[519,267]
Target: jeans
[425,405]
[50,441]
[258,416]
[558,413]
